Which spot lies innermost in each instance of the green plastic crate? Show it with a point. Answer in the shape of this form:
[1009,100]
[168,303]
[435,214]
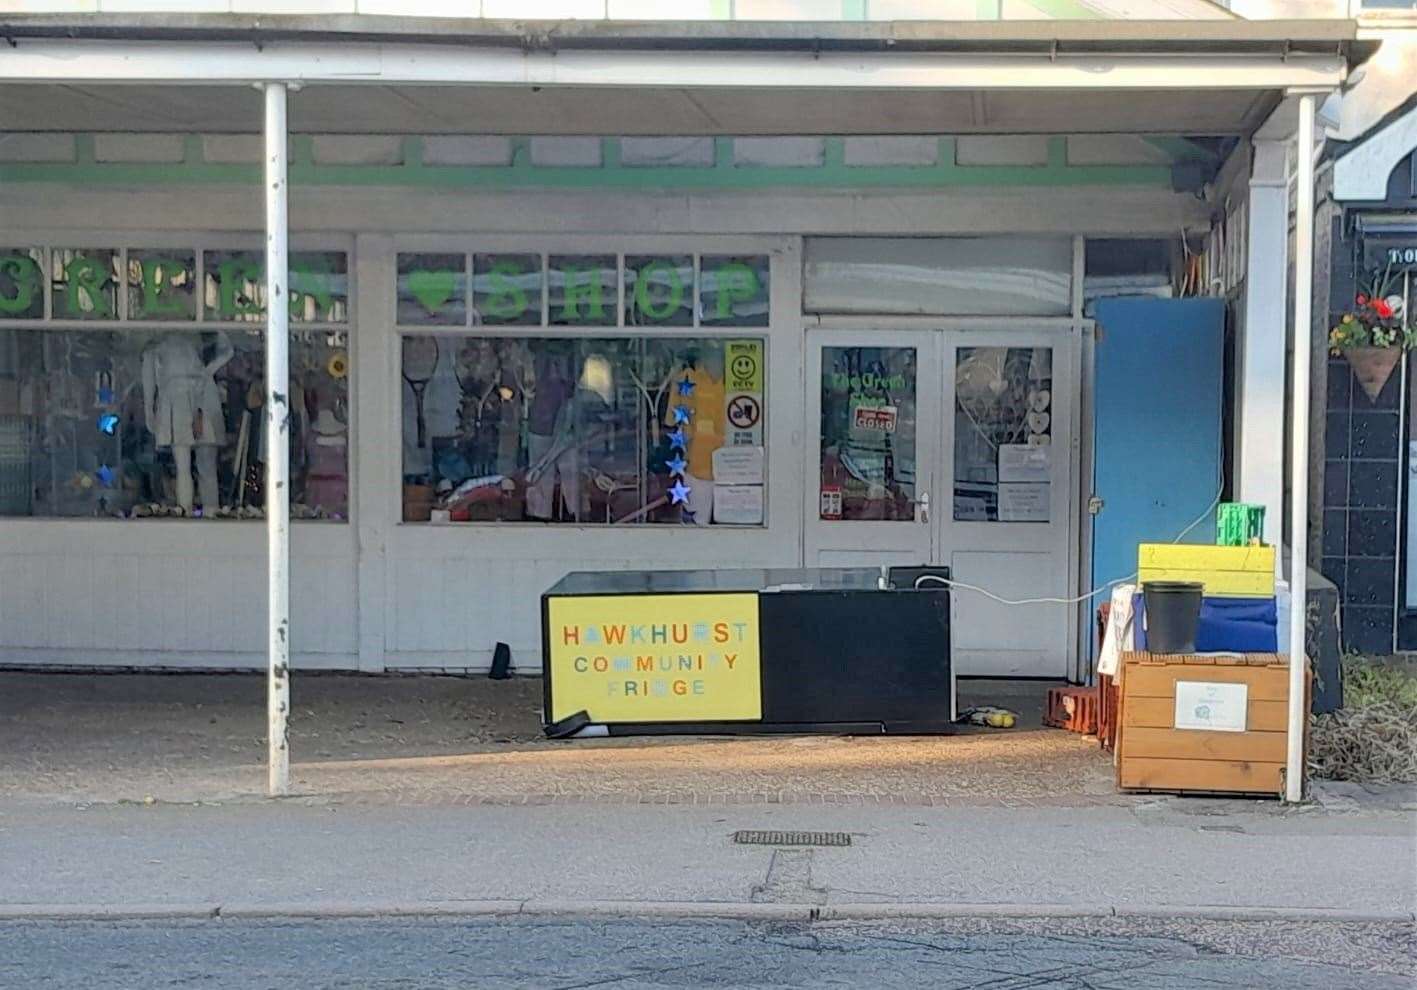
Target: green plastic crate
[1237,524]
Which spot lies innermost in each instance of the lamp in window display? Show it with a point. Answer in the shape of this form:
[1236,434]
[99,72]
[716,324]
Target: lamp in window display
[184,411]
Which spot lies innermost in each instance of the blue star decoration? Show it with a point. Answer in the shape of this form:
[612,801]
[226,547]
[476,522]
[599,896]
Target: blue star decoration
[676,465]
[688,516]
[686,387]
[677,438]
[108,423]
[681,414]
[679,493]
[105,475]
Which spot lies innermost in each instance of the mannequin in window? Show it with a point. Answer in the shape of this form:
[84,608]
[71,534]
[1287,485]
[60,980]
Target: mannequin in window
[551,443]
[326,485]
[183,408]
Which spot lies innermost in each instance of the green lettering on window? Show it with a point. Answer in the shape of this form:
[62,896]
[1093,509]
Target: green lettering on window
[644,281]
[507,300]
[159,295]
[83,291]
[24,273]
[582,289]
[234,275]
[309,279]
[736,283]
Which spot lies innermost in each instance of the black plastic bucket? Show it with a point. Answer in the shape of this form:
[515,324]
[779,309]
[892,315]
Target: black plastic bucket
[1173,611]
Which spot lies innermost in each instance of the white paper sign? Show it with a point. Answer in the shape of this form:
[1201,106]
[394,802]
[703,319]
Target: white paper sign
[1211,707]
[738,466]
[738,504]
[1023,502]
[1023,462]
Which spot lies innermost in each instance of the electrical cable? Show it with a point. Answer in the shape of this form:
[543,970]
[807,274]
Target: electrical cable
[951,583]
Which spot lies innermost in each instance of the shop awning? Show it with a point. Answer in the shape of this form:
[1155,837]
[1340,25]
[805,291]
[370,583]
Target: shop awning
[410,76]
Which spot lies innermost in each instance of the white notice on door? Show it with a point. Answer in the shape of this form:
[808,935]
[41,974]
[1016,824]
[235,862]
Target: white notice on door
[1024,462]
[738,504]
[738,465]
[1023,502]
[1211,707]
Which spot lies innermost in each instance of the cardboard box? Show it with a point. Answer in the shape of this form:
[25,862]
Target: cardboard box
[1203,723]
[1226,572]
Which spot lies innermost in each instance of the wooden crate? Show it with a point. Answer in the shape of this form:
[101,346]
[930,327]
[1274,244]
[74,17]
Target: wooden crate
[1154,755]
[1226,572]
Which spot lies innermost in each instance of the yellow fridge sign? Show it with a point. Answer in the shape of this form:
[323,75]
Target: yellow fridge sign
[655,658]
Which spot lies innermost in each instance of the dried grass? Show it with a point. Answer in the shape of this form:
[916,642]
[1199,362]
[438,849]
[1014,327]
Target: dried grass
[1373,739]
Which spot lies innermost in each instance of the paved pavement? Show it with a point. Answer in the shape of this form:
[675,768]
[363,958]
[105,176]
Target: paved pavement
[576,954]
[456,741]
[124,795]
[1169,856]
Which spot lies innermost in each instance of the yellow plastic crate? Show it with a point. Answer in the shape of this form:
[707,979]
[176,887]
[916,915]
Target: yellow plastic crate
[1226,572]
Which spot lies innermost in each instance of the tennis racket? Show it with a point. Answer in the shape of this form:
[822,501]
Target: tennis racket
[420,361]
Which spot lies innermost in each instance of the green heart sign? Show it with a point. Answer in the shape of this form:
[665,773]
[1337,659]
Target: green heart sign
[432,289]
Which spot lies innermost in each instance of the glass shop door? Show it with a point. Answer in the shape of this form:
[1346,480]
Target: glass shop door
[873,404]
[953,447]
[1009,524]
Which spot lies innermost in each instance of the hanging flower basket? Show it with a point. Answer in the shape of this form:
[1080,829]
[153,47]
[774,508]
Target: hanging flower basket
[1373,366]
[1375,335]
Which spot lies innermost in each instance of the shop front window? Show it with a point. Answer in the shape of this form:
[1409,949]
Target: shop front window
[158,423]
[154,415]
[583,430]
[868,433]
[1003,433]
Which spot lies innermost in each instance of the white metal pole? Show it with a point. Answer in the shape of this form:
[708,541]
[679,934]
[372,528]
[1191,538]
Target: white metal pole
[1299,453]
[277,444]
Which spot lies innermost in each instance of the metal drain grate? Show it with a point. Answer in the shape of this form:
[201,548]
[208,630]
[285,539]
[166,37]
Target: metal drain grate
[752,838]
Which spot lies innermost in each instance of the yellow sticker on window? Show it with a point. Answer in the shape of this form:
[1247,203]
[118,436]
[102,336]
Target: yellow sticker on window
[743,364]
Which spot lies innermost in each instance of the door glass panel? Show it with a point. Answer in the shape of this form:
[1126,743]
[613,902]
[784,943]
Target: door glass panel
[1003,434]
[867,468]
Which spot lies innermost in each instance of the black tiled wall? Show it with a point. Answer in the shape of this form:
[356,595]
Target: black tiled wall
[1361,450]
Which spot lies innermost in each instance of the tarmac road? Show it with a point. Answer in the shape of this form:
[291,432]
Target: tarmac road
[569,954]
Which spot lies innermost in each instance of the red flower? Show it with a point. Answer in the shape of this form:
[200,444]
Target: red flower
[1381,307]
[1362,299]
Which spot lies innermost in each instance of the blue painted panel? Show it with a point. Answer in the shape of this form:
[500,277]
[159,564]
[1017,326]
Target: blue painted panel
[1157,425]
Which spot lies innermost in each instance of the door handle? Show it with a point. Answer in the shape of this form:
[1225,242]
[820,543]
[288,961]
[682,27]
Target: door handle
[922,508]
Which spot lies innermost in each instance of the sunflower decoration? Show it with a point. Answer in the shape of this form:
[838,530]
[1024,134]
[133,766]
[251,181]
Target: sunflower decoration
[338,365]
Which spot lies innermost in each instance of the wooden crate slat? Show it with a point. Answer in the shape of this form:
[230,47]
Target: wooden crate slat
[1201,775]
[1200,744]
[1146,680]
[1160,713]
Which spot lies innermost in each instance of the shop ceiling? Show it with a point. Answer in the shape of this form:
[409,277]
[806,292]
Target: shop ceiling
[390,75]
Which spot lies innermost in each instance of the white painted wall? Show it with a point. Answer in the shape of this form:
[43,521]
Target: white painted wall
[169,593]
